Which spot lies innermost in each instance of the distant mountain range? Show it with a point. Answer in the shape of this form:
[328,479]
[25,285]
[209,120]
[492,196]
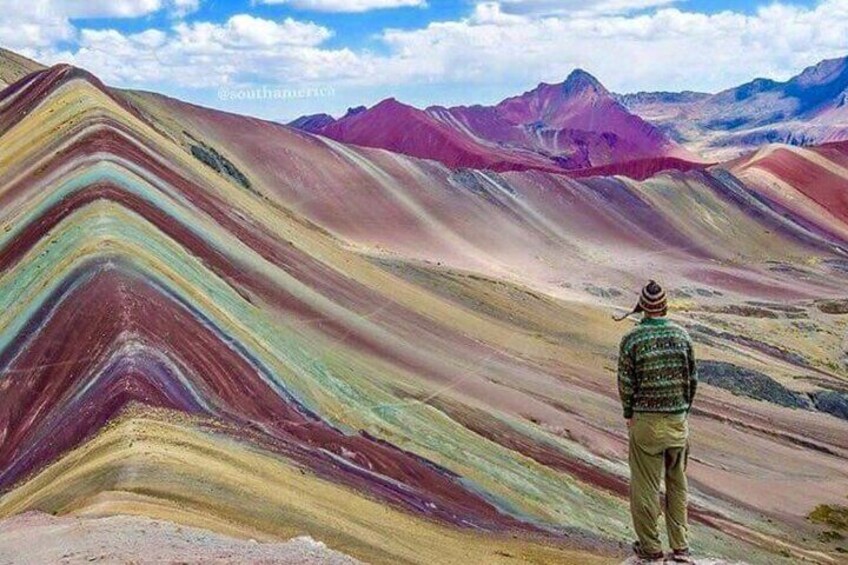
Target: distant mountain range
[578,125]
[807,109]
[574,125]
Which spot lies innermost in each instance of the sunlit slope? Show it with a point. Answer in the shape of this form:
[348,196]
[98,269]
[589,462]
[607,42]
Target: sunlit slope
[812,182]
[553,232]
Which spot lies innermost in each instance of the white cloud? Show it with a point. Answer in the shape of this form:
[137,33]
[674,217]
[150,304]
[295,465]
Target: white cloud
[107,8]
[243,50]
[348,5]
[32,24]
[245,31]
[492,13]
[181,8]
[663,49]
[572,7]
[493,48]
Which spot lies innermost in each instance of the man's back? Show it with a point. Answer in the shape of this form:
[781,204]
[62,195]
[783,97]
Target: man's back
[656,368]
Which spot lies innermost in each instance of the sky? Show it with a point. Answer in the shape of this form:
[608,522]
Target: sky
[279,59]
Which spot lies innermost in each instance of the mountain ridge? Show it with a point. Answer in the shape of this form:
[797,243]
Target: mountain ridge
[806,109]
[578,124]
[573,125]
[14,67]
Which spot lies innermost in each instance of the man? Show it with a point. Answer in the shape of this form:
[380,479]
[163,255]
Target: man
[656,382]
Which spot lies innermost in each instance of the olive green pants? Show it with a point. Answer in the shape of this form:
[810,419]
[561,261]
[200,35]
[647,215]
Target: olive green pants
[659,444]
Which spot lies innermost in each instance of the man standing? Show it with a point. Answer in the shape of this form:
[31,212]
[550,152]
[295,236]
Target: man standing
[656,382]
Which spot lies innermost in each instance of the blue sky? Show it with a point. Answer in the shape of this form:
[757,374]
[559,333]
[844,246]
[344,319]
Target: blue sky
[282,58]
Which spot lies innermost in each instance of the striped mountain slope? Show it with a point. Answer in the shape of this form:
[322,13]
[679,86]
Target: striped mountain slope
[227,323]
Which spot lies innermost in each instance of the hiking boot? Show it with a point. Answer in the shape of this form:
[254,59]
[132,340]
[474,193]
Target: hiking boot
[645,557]
[681,556]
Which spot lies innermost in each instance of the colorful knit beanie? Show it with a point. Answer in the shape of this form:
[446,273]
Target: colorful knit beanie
[651,301]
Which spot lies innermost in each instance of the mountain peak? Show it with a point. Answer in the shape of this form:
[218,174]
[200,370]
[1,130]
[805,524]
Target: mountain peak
[580,81]
[390,102]
[823,72]
[43,83]
[354,110]
[394,107]
[312,122]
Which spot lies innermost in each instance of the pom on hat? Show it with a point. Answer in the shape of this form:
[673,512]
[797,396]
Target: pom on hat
[652,301]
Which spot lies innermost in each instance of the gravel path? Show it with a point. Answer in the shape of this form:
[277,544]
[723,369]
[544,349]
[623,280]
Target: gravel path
[36,538]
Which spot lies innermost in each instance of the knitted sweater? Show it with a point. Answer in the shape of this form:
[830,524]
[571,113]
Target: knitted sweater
[656,368]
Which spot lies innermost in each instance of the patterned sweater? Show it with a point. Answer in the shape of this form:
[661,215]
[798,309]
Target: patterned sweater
[656,368]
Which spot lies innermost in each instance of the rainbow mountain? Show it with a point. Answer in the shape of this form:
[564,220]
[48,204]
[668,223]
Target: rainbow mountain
[225,323]
[575,126]
[580,128]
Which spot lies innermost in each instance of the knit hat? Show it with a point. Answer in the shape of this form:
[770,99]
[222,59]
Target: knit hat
[651,301]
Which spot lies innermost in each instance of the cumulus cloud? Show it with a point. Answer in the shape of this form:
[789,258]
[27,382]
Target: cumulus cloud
[495,46]
[107,8]
[572,7]
[181,8]
[348,5]
[248,32]
[667,48]
[242,50]
[34,24]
